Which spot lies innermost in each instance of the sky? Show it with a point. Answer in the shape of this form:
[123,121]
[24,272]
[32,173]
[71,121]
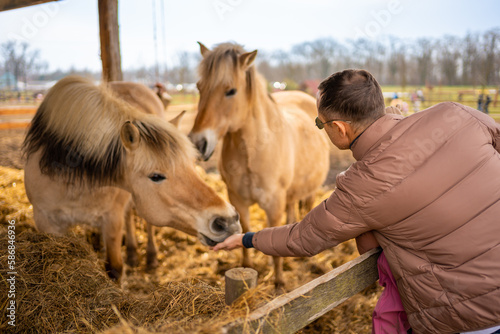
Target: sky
[67,32]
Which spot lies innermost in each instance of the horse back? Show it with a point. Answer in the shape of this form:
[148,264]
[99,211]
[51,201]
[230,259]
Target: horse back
[139,96]
[296,99]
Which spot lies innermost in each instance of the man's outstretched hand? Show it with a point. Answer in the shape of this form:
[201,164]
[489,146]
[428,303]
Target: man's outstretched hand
[232,242]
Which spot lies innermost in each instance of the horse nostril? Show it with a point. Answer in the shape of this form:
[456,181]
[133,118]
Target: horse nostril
[219,225]
[201,145]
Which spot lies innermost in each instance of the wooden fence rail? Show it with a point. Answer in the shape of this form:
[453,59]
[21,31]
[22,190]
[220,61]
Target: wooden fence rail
[292,311]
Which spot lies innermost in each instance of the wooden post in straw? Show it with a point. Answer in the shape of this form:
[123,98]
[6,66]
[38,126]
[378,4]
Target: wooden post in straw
[239,280]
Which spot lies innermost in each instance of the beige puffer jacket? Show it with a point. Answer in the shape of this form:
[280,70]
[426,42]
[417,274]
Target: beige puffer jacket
[428,185]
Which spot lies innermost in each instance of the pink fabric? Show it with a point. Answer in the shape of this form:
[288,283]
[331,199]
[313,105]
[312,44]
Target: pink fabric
[389,316]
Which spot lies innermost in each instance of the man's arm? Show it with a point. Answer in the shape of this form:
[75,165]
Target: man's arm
[330,223]
[365,242]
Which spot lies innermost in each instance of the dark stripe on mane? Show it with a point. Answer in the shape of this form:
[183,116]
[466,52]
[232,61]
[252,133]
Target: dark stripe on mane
[154,138]
[61,157]
[159,140]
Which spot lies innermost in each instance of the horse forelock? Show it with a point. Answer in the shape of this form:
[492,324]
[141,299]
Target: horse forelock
[77,131]
[163,146]
[220,68]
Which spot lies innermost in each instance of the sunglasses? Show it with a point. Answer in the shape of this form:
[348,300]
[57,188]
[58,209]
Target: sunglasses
[321,125]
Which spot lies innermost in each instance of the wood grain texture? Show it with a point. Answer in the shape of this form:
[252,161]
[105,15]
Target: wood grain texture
[14,4]
[294,310]
[238,281]
[110,40]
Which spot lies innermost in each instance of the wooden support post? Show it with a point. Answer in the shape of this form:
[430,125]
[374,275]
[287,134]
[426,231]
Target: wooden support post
[290,312]
[238,281]
[14,4]
[110,40]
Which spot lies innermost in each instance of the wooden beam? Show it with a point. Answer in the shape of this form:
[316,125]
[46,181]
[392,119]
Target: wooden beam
[14,4]
[294,310]
[110,40]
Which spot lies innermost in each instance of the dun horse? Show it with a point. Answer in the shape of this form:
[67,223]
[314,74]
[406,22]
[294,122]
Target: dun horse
[145,100]
[272,154]
[89,153]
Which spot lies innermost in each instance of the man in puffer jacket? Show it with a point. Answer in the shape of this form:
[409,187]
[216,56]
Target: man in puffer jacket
[427,186]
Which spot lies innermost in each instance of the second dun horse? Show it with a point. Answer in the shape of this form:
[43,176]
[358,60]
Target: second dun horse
[89,153]
[272,153]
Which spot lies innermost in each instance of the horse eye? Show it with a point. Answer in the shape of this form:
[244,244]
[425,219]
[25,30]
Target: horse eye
[231,92]
[157,178]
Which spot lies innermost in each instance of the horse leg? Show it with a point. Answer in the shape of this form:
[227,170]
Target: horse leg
[131,239]
[290,213]
[44,225]
[152,249]
[244,213]
[306,205]
[112,233]
[274,211]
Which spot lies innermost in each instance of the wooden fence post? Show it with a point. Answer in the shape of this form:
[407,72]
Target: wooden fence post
[239,280]
[292,311]
[110,40]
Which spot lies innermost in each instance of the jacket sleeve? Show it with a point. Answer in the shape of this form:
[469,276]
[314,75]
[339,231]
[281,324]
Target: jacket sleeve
[333,221]
[492,127]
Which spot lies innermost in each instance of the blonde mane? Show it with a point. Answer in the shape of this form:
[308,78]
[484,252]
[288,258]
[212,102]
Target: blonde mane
[220,68]
[77,130]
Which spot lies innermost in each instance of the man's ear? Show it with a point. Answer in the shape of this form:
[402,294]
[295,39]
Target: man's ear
[341,127]
[130,136]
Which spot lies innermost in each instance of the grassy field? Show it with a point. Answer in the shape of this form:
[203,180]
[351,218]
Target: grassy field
[469,96]
[466,95]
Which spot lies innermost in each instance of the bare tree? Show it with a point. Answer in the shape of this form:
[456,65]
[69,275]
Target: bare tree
[424,49]
[366,54]
[490,47]
[449,54]
[320,53]
[470,59]
[20,61]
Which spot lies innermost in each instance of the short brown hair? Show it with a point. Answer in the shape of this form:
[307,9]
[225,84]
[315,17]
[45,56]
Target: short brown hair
[353,95]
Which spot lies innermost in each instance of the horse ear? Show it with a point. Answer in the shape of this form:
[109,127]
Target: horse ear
[203,49]
[246,59]
[130,136]
[176,120]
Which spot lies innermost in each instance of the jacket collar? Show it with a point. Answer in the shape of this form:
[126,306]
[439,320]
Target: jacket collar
[372,134]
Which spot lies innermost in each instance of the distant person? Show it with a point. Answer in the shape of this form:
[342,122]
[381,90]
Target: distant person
[486,104]
[415,101]
[424,187]
[420,95]
[480,102]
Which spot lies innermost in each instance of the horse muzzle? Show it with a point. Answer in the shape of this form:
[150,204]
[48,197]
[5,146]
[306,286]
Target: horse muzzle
[220,228]
[205,141]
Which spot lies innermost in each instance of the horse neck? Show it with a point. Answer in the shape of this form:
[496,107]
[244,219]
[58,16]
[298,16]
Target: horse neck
[264,114]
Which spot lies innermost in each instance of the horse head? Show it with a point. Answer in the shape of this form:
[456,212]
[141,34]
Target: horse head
[173,194]
[226,89]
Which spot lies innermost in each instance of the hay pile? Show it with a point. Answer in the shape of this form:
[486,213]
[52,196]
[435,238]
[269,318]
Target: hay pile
[62,287]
